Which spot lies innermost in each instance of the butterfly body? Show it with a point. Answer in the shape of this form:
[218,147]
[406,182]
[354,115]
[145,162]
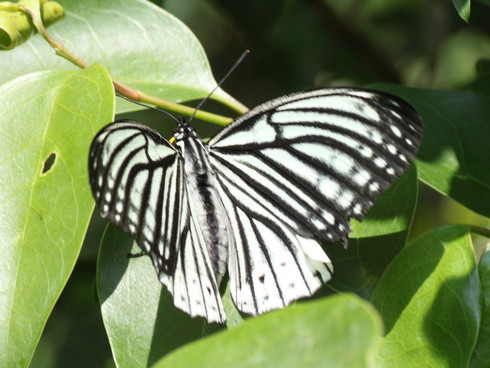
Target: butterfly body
[207,207]
[256,199]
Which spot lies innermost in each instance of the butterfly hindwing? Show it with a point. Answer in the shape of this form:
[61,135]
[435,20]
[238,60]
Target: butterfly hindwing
[193,283]
[269,265]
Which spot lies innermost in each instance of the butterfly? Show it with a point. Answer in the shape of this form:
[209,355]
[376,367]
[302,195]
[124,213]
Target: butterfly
[256,199]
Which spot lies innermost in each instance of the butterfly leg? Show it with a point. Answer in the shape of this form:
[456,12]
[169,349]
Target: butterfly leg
[136,255]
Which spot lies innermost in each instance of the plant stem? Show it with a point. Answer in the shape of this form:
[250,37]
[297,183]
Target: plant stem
[480,231]
[122,89]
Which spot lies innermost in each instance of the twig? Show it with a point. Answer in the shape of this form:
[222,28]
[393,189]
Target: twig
[122,89]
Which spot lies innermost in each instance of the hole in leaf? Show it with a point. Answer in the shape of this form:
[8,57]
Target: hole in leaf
[49,162]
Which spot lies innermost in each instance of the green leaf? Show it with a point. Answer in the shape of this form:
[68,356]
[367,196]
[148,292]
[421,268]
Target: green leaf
[140,44]
[429,299]
[376,240]
[339,331]
[455,152]
[481,354]
[463,8]
[16,25]
[393,211]
[48,121]
[141,321]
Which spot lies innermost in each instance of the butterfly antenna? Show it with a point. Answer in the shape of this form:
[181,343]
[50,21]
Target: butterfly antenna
[149,107]
[238,62]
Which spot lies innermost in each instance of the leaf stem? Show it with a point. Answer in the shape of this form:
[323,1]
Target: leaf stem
[127,91]
[480,231]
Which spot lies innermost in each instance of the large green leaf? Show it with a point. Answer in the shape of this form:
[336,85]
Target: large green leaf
[455,152]
[481,354]
[339,331]
[139,43]
[47,123]
[429,299]
[376,240]
[141,321]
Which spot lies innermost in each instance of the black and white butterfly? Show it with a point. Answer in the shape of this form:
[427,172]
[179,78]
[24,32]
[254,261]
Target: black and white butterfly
[255,200]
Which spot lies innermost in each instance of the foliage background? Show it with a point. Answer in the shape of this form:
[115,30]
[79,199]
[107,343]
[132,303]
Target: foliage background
[295,45]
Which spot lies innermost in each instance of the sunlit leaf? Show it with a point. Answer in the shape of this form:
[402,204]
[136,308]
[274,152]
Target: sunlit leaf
[47,123]
[139,43]
[339,331]
[481,354]
[139,315]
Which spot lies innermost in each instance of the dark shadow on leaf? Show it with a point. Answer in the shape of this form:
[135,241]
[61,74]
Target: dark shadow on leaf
[115,256]
[174,328]
[358,268]
[454,143]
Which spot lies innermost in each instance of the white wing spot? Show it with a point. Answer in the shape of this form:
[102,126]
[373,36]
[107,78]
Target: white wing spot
[110,182]
[345,199]
[366,152]
[392,149]
[397,131]
[361,178]
[357,209]
[377,138]
[409,142]
[395,114]
[380,162]
[373,187]
[390,171]
[328,217]
[117,217]
[329,187]
[105,208]
[108,196]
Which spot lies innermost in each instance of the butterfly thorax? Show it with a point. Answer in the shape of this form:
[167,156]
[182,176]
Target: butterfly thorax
[204,200]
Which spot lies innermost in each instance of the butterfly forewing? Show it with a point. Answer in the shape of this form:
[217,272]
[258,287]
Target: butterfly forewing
[324,155]
[137,180]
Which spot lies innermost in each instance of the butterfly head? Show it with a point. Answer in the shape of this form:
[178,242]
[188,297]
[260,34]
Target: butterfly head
[184,130]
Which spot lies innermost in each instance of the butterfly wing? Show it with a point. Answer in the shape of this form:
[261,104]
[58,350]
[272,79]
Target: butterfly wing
[269,264]
[137,181]
[318,158]
[297,168]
